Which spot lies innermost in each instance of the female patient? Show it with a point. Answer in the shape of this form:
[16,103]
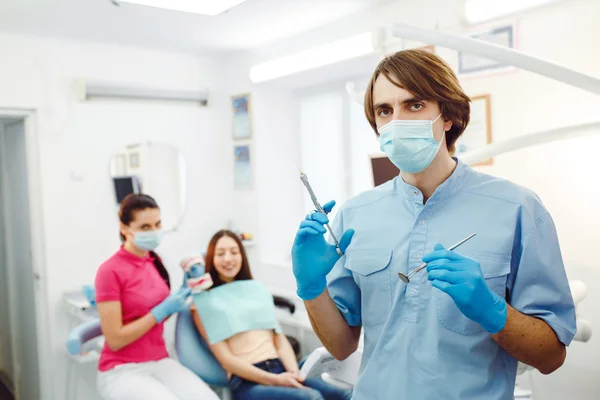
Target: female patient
[132,293]
[236,318]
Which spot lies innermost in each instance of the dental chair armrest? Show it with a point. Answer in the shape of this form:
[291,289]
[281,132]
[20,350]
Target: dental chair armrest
[341,373]
[584,331]
[579,291]
[319,361]
[282,302]
[522,368]
[82,334]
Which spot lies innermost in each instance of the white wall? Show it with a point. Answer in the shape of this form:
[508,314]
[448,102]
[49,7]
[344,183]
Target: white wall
[76,141]
[564,174]
[167,181]
[320,132]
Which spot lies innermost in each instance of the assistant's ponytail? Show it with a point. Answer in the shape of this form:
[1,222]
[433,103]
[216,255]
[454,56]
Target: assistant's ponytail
[160,267]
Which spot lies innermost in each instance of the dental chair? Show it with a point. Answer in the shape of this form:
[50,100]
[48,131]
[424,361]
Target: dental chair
[83,344]
[344,373]
[194,353]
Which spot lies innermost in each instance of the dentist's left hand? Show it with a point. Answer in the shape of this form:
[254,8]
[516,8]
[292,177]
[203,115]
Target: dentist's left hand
[462,279]
[312,256]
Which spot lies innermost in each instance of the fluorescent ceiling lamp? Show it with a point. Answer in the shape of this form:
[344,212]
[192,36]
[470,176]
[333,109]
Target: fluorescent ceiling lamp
[351,47]
[205,7]
[483,10]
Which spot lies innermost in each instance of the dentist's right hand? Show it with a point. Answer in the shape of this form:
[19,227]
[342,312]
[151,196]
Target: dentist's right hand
[173,304]
[312,256]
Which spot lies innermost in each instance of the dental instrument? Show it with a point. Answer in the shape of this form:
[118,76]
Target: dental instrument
[320,209]
[406,278]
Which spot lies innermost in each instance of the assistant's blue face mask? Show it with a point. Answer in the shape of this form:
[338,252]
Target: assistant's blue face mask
[409,144]
[148,240]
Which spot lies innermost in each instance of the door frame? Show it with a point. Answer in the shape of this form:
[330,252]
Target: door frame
[38,254]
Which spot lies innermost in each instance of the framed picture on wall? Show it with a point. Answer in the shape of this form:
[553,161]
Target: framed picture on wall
[501,34]
[134,160]
[242,167]
[242,127]
[430,48]
[479,131]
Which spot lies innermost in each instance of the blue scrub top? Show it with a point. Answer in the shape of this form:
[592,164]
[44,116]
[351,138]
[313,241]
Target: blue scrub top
[418,345]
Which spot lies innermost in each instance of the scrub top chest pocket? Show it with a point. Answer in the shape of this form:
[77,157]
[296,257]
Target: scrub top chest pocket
[372,273]
[495,268]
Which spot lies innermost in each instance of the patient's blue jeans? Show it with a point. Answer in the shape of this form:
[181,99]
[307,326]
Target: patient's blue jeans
[243,389]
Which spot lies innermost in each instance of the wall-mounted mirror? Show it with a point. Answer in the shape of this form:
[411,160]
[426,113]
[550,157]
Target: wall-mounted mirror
[155,169]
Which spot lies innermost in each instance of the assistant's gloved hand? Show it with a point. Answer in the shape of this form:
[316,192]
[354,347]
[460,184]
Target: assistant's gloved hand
[461,278]
[173,304]
[312,257]
[89,292]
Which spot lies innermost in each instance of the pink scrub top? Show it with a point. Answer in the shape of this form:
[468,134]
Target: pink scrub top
[136,283]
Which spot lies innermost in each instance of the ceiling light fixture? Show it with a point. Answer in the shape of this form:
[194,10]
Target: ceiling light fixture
[477,11]
[345,49]
[204,7]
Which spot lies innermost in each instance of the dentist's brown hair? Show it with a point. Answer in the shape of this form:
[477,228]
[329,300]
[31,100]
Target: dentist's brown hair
[430,78]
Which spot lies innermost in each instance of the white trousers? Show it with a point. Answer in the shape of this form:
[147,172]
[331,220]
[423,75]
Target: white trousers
[156,380]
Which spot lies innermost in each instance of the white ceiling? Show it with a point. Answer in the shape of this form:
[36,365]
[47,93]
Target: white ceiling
[248,25]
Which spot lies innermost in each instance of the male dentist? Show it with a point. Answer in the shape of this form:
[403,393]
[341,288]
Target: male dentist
[458,328]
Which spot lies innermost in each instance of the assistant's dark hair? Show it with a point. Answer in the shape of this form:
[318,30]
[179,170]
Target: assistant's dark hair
[129,206]
[243,274]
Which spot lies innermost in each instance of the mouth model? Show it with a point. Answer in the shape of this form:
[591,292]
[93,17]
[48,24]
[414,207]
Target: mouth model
[200,284]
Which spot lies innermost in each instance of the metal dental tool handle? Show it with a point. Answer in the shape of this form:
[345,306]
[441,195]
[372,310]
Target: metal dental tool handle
[320,209]
[406,278]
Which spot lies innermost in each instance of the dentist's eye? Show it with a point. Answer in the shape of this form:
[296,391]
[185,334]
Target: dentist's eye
[383,113]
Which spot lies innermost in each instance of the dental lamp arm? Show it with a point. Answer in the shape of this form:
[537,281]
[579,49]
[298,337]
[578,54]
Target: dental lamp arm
[499,53]
[533,139]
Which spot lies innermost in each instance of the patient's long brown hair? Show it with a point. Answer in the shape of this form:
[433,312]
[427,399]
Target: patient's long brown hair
[243,274]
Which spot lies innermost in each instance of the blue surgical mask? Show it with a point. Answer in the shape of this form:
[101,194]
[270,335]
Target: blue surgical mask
[409,144]
[147,240]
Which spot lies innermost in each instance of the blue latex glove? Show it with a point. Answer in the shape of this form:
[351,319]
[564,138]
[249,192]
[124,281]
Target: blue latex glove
[312,256]
[461,278]
[173,304]
[89,292]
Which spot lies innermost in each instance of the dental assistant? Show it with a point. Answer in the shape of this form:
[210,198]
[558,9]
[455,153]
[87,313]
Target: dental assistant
[458,328]
[134,300]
